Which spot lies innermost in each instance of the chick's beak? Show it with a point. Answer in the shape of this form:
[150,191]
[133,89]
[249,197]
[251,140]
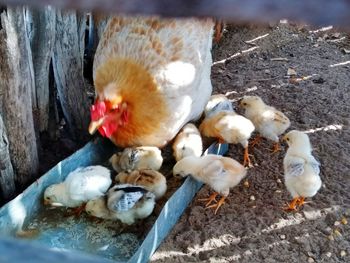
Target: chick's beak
[94,125]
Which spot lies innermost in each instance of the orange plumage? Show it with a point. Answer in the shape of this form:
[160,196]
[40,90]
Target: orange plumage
[151,77]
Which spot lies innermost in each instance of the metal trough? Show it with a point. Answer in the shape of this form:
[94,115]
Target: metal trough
[80,239]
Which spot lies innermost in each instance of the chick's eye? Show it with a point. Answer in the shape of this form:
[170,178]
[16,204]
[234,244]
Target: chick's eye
[244,104]
[287,139]
[48,198]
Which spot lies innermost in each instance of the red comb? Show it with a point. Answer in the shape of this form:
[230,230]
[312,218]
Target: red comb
[108,129]
[98,110]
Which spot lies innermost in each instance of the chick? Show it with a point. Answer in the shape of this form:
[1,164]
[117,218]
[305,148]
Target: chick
[216,104]
[188,142]
[144,157]
[229,127]
[220,173]
[151,180]
[301,169]
[129,203]
[98,208]
[80,186]
[269,122]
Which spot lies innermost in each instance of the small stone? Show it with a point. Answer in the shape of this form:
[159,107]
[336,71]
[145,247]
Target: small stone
[246,183]
[278,191]
[252,198]
[336,223]
[331,237]
[344,221]
[310,260]
[248,253]
[343,253]
[329,254]
[346,51]
[337,233]
[291,72]
[328,229]
[267,71]
[283,237]
[279,181]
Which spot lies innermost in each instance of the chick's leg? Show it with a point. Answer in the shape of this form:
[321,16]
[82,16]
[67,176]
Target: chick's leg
[218,205]
[256,141]
[210,199]
[76,211]
[301,201]
[292,205]
[246,159]
[276,147]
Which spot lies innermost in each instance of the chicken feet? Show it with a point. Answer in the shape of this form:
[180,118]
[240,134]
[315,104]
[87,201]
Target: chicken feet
[211,199]
[217,205]
[256,141]
[76,211]
[276,147]
[297,202]
[246,158]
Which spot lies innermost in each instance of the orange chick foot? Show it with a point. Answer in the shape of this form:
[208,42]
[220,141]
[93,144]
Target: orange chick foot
[211,199]
[76,211]
[292,205]
[217,205]
[276,147]
[256,141]
[246,159]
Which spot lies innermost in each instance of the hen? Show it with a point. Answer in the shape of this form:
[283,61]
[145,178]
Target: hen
[151,76]
[301,169]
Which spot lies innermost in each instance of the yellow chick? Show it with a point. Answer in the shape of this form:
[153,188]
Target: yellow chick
[230,127]
[151,180]
[269,122]
[188,142]
[220,173]
[301,169]
[136,158]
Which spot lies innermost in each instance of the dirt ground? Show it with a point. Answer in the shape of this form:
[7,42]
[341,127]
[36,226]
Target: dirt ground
[251,226]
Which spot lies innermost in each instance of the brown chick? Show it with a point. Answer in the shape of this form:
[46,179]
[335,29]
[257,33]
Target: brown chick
[151,180]
[220,173]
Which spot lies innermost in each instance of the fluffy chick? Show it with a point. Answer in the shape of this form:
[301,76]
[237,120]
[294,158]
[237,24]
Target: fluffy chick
[98,208]
[301,169]
[188,142]
[129,202]
[220,173]
[269,122]
[151,180]
[144,157]
[230,127]
[80,186]
[217,103]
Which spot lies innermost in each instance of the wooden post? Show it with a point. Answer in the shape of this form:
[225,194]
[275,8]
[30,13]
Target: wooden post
[7,179]
[68,70]
[16,85]
[42,36]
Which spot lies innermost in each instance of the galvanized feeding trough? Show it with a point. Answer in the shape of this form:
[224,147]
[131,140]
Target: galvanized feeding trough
[97,240]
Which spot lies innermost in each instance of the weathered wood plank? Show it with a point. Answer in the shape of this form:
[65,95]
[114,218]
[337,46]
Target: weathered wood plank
[7,176]
[16,84]
[68,70]
[318,12]
[42,36]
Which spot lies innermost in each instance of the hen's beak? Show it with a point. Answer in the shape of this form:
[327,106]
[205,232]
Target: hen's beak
[94,125]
